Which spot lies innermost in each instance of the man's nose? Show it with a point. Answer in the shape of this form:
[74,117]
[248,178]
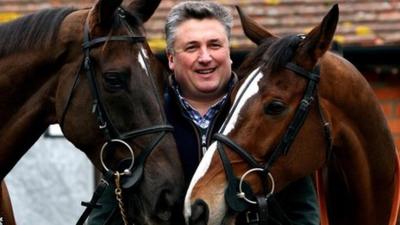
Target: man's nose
[205,56]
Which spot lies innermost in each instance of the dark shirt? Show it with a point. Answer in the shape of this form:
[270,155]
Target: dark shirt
[191,139]
[202,122]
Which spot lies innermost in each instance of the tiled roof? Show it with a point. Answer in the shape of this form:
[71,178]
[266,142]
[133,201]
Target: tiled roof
[361,22]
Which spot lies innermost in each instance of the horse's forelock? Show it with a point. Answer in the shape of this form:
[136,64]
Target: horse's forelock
[34,31]
[272,54]
[280,52]
[248,64]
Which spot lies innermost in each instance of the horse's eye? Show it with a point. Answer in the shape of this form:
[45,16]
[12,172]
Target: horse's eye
[274,108]
[115,81]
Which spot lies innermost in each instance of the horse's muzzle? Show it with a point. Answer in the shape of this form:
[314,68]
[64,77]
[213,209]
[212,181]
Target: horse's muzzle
[200,213]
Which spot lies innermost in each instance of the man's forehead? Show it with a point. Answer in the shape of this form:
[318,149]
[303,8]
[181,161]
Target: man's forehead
[197,31]
[200,26]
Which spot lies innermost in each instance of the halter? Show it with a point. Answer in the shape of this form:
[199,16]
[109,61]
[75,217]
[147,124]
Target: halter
[238,194]
[134,169]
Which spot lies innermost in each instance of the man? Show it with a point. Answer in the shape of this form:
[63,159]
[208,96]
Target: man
[198,34]
[196,102]
[198,53]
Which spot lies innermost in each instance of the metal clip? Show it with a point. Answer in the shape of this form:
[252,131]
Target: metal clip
[121,13]
[252,217]
[102,126]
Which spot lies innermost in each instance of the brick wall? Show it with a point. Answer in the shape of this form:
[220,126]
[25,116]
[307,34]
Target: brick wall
[389,96]
[387,89]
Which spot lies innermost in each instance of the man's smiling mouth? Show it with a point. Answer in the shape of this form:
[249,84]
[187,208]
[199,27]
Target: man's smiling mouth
[205,71]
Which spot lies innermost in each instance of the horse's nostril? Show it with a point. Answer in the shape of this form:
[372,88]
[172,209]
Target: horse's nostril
[164,206]
[199,214]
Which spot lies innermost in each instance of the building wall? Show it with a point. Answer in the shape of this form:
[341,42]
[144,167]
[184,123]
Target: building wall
[387,89]
[48,184]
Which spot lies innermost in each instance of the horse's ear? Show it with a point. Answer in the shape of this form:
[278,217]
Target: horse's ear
[144,9]
[318,40]
[103,11]
[255,32]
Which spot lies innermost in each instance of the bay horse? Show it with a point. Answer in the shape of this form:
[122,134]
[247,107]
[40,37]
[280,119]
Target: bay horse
[92,71]
[298,108]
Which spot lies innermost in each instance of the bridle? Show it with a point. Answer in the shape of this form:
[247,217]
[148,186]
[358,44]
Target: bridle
[133,171]
[238,194]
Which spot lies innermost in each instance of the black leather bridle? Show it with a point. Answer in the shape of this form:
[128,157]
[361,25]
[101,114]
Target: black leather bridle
[133,167]
[237,189]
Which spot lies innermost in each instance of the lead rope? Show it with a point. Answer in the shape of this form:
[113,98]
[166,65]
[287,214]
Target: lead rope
[118,196]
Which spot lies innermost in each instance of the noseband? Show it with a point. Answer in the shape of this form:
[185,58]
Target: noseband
[133,170]
[238,194]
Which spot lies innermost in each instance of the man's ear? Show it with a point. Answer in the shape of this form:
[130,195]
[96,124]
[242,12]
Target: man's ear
[170,58]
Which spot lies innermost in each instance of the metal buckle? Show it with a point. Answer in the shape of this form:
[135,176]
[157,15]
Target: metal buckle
[252,217]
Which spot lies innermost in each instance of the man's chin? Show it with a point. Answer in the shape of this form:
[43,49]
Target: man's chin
[211,95]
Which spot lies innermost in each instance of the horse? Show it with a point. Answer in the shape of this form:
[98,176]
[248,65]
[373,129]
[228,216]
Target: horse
[6,213]
[92,71]
[299,108]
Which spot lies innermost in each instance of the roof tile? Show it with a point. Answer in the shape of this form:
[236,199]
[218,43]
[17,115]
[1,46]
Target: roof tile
[361,23]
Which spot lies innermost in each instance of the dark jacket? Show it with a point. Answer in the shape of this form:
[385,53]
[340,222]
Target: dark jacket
[187,135]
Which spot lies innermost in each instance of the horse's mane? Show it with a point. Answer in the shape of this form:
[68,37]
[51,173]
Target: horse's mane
[34,31]
[273,53]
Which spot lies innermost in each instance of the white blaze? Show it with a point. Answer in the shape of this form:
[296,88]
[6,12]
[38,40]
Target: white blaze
[201,169]
[142,53]
[246,91]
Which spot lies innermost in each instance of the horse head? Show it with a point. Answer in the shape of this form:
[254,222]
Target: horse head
[120,100]
[297,106]
[274,127]
[93,72]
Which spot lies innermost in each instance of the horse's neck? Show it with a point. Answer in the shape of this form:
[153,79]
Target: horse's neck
[357,113]
[363,145]
[27,91]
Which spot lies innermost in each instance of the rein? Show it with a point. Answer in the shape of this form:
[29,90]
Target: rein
[256,207]
[134,171]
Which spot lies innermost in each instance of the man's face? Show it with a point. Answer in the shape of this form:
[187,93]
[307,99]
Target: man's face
[201,59]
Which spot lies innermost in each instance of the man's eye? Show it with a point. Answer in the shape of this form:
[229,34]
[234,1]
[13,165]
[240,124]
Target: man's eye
[190,48]
[216,46]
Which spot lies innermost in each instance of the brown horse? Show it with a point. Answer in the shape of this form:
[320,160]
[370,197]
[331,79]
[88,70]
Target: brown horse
[92,71]
[6,213]
[298,108]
